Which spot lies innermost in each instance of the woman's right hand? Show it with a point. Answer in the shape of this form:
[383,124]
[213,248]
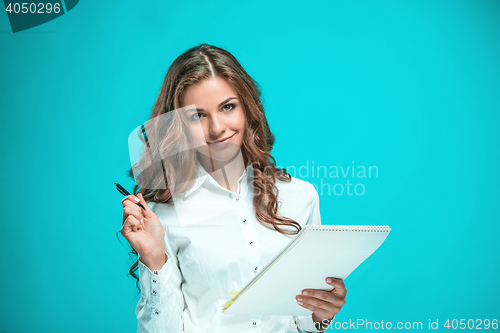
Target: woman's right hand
[144,231]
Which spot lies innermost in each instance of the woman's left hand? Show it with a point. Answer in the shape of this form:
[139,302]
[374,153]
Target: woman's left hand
[324,304]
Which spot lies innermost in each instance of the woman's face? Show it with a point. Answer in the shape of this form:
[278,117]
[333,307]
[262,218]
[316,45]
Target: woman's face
[219,115]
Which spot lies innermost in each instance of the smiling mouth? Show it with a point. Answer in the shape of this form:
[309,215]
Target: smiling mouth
[223,140]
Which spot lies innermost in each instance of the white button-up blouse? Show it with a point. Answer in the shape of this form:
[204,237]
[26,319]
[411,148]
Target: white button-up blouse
[222,253]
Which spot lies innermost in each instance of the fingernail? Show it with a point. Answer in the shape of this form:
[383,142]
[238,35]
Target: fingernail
[305,293]
[300,303]
[329,280]
[136,200]
[142,220]
[300,299]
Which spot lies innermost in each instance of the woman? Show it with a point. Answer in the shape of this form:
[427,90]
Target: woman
[216,207]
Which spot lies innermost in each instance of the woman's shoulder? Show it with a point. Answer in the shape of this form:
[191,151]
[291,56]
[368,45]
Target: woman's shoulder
[297,199]
[298,189]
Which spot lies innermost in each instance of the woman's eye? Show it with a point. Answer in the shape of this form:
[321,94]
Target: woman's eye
[232,107]
[196,116]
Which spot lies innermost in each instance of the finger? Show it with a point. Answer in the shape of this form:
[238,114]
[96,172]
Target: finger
[148,212]
[131,224]
[332,301]
[318,294]
[125,221]
[134,210]
[321,308]
[133,206]
[131,198]
[338,286]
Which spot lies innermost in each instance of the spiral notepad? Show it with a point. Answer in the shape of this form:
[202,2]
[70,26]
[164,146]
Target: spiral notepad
[317,252]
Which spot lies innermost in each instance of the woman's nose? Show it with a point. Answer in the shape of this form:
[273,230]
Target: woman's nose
[216,128]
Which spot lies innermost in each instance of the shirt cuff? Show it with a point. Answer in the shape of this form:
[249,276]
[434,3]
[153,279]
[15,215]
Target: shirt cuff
[154,284]
[306,324]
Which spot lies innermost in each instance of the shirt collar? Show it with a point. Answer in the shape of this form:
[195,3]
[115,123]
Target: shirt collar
[203,175]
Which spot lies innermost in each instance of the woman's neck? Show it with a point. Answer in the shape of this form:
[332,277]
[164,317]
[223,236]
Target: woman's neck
[226,173]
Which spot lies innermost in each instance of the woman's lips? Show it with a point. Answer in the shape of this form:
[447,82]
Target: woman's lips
[222,143]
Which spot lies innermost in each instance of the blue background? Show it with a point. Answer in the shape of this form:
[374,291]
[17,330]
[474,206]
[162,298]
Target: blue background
[409,87]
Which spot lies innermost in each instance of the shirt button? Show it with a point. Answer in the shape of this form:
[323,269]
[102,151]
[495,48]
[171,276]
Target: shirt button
[244,220]
[237,199]
[254,324]
[154,281]
[255,269]
[155,292]
[250,243]
[156,312]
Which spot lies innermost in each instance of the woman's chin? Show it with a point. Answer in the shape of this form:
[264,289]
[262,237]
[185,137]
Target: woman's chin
[221,154]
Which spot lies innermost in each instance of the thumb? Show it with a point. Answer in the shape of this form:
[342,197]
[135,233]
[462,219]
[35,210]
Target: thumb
[148,212]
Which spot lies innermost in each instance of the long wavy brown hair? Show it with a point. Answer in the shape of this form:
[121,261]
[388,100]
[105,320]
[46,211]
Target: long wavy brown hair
[193,66]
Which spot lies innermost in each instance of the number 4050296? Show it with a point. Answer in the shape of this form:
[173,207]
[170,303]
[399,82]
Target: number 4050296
[33,8]
[471,324]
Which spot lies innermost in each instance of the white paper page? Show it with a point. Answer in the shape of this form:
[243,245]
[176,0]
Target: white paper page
[319,254]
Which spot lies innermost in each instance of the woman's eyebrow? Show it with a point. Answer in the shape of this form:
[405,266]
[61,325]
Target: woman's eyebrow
[220,104]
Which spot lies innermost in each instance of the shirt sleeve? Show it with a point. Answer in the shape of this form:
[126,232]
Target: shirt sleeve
[161,306]
[306,323]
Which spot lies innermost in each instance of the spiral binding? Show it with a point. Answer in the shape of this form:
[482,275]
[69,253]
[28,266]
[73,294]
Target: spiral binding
[362,228]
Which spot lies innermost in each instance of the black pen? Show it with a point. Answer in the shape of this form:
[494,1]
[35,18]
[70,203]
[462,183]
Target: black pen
[123,191]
